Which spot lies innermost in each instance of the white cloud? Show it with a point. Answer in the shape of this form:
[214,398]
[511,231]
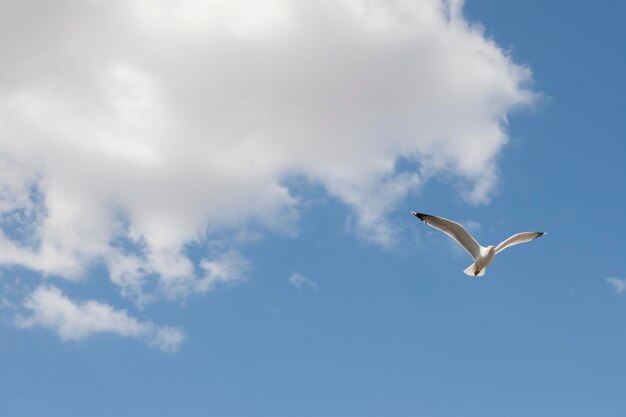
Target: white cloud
[167,338]
[5,303]
[131,273]
[225,268]
[618,284]
[131,130]
[299,281]
[48,307]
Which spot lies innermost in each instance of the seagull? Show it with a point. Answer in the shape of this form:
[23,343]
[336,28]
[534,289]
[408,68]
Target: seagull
[482,256]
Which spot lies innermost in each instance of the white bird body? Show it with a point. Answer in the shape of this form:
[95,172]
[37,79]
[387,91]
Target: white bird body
[486,257]
[483,256]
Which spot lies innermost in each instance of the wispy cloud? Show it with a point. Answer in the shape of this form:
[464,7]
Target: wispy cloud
[300,281]
[471,226]
[72,320]
[226,268]
[618,284]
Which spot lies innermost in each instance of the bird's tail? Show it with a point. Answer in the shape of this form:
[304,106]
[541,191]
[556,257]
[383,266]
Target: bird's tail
[471,271]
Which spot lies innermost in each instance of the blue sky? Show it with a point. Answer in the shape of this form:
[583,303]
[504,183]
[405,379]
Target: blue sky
[382,320]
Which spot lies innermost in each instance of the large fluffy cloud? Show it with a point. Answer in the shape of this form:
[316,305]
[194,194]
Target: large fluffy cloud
[129,130]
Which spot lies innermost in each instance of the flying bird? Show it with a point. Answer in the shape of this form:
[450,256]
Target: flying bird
[482,256]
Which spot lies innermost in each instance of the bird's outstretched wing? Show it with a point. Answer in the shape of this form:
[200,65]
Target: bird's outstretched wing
[452,229]
[517,239]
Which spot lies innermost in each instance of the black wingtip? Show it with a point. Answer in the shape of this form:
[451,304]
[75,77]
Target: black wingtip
[419,215]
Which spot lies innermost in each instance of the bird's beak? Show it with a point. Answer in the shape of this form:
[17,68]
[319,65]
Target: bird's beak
[414,213]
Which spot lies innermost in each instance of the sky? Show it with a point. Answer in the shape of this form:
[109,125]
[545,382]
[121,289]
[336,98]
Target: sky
[204,208]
